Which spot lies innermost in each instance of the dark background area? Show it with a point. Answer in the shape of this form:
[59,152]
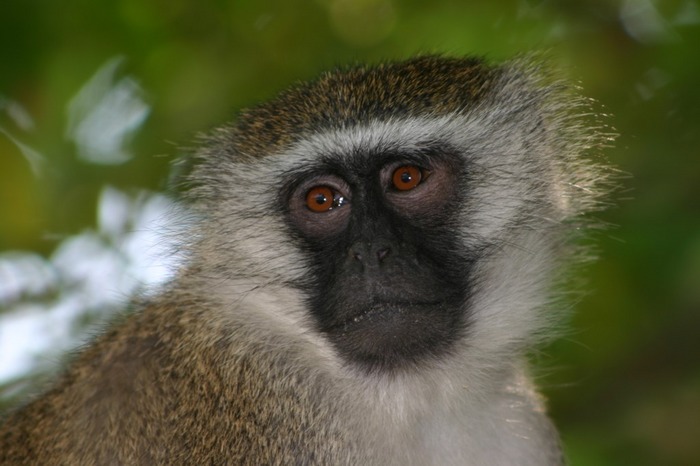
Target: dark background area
[624,383]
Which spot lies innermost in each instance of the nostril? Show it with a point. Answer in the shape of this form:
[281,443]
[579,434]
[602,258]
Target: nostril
[383,253]
[356,253]
[367,253]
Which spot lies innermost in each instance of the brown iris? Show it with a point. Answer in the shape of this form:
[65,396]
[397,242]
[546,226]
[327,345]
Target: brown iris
[406,177]
[320,199]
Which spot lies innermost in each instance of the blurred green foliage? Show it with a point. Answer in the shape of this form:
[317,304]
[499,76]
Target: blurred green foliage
[624,384]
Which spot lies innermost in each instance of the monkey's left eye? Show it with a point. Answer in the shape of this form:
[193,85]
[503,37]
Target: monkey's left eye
[407,177]
[323,198]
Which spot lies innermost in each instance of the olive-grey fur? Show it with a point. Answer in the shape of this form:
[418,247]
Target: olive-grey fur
[226,366]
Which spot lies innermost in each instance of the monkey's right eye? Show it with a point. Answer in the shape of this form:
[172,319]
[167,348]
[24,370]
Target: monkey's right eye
[323,198]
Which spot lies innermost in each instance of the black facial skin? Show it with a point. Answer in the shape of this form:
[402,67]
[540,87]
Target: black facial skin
[391,277]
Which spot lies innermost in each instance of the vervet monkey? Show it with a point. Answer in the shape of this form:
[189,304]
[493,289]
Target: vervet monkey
[373,255]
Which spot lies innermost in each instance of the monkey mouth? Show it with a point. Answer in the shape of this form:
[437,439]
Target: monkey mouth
[379,311]
[391,334]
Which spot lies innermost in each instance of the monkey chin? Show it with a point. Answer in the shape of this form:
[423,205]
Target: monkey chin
[395,336]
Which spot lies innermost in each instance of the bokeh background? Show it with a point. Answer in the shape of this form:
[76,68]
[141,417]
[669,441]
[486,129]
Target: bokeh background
[97,98]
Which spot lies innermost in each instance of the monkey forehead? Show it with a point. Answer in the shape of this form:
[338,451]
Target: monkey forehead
[429,85]
[411,137]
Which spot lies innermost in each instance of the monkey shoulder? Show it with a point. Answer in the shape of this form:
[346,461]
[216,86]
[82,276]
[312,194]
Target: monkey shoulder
[168,385]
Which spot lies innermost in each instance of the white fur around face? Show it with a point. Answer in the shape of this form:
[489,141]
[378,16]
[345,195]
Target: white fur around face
[476,406]
[515,204]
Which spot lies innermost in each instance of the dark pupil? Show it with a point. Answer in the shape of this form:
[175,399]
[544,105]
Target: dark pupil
[406,177]
[321,199]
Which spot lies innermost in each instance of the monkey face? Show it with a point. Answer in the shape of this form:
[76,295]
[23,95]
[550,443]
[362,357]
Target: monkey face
[413,210]
[390,279]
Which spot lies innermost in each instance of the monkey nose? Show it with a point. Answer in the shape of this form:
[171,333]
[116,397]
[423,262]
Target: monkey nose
[370,252]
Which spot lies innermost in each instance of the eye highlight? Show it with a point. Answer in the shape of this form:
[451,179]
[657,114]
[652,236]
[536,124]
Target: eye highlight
[323,198]
[406,177]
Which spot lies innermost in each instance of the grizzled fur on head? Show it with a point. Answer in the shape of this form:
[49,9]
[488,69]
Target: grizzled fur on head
[425,86]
